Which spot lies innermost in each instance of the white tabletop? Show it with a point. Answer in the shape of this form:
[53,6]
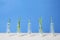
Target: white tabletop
[33,36]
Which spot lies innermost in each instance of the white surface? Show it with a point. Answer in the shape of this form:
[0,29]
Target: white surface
[33,36]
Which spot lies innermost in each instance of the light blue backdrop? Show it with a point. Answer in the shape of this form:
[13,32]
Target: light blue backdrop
[29,9]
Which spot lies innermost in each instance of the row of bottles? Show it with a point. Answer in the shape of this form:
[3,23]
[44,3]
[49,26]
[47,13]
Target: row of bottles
[29,25]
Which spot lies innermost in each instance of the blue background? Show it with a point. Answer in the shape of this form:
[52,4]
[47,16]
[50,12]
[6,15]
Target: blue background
[29,9]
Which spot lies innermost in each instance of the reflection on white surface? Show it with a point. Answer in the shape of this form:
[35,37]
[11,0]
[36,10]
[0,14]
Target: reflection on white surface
[25,36]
